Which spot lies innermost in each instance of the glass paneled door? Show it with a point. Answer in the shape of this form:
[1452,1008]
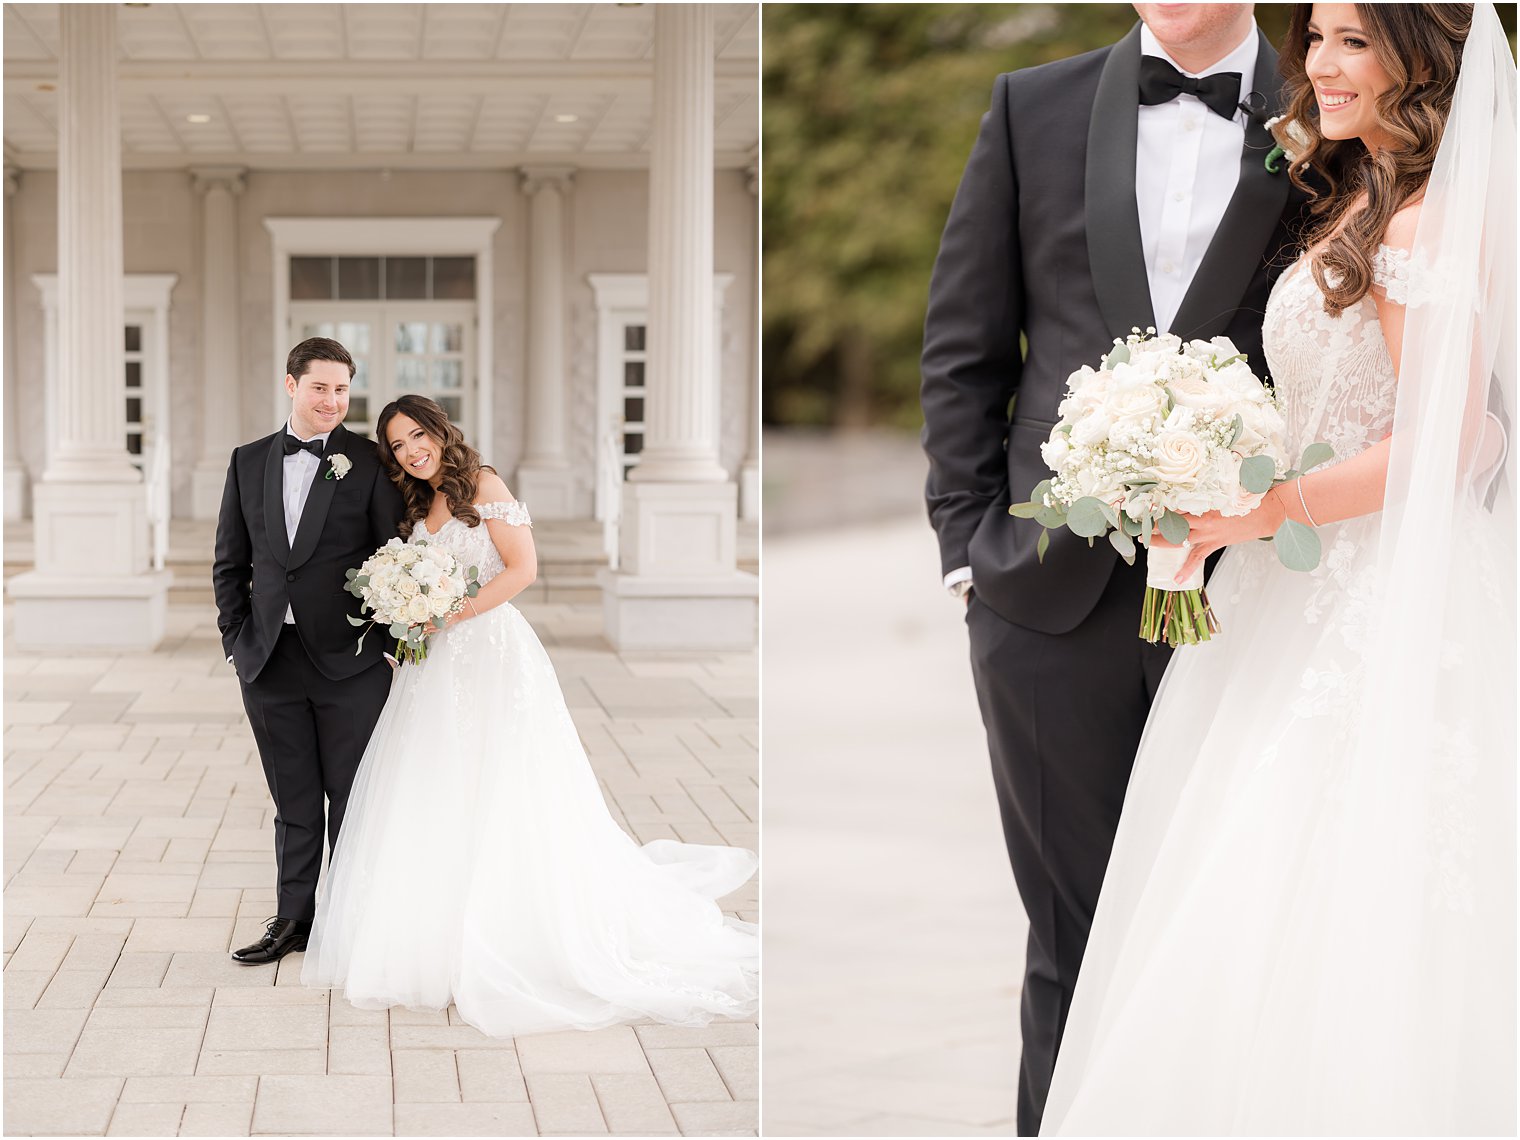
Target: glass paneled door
[422,347]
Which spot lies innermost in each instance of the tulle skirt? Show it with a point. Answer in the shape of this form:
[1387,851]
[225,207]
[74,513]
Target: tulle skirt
[1295,937]
[478,864]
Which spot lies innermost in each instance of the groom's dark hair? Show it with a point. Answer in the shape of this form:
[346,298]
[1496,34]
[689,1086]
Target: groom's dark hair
[316,348]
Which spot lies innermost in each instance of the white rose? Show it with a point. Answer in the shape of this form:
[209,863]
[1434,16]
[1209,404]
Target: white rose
[1135,402]
[1179,457]
[1055,449]
[418,609]
[406,588]
[441,605]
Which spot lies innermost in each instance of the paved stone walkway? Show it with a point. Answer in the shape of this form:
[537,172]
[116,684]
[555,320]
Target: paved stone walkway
[138,850]
[894,934]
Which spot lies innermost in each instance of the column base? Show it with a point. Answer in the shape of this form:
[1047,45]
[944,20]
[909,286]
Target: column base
[643,612]
[91,530]
[15,493]
[548,492]
[678,530]
[206,486]
[749,491]
[55,611]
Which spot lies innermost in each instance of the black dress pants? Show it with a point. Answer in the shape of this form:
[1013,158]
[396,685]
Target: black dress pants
[1064,715]
[311,732]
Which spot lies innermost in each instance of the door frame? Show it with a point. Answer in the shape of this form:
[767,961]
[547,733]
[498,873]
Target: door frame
[392,237]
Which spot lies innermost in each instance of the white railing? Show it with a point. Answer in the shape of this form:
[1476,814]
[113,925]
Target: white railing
[611,469]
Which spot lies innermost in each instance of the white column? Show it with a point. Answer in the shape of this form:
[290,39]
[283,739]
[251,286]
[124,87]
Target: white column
[15,473]
[91,585]
[677,586]
[749,470]
[544,477]
[219,188]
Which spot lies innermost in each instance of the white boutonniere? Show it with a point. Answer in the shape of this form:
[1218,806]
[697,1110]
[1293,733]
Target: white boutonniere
[341,466]
[1297,142]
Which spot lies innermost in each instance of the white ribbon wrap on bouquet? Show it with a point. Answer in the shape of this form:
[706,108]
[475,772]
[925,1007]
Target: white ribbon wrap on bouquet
[1162,564]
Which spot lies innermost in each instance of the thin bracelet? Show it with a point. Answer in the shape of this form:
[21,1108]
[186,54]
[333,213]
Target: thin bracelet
[1305,505]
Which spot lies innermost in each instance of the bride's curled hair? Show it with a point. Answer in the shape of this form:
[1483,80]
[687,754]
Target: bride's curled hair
[461,463]
[1420,47]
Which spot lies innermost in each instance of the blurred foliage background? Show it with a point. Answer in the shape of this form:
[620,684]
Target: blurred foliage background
[869,114]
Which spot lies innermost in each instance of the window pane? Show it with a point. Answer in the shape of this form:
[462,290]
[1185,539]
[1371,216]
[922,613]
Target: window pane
[633,409]
[405,278]
[134,410]
[358,409]
[411,337]
[360,382]
[134,338]
[453,406]
[358,278]
[633,373]
[411,376]
[633,443]
[447,338]
[453,278]
[134,374]
[134,443]
[311,279]
[447,373]
[324,328]
[354,336]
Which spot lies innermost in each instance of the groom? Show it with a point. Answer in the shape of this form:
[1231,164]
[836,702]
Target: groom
[299,508]
[1121,188]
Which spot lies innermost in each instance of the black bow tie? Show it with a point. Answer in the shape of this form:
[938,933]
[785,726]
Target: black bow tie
[1160,82]
[293,445]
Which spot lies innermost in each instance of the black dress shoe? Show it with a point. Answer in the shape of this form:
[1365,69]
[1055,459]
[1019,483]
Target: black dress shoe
[283,936]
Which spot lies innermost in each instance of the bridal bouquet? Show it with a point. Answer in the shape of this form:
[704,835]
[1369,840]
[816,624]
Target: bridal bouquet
[1163,429]
[407,585]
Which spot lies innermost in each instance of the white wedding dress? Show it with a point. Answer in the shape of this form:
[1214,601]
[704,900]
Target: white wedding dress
[478,863]
[1274,953]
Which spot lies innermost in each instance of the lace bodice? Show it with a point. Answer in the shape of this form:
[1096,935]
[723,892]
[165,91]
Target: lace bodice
[472,545]
[1333,375]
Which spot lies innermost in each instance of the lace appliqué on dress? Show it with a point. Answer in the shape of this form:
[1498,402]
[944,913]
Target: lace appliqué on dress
[1407,280]
[512,513]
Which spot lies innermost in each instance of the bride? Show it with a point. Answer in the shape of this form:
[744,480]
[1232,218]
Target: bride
[1308,922]
[478,863]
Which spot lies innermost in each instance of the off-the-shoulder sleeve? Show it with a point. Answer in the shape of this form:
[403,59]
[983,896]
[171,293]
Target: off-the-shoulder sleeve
[1407,280]
[513,513]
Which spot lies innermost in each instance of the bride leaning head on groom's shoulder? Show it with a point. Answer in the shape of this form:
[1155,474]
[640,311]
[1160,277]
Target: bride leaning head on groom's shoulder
[423,452]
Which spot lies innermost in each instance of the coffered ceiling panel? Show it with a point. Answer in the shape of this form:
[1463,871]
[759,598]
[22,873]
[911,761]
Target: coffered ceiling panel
[348,85]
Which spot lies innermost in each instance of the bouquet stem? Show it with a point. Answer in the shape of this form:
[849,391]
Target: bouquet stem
[407,653]
[1178,617]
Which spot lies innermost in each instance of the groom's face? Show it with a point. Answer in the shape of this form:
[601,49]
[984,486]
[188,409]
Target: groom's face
[318,397]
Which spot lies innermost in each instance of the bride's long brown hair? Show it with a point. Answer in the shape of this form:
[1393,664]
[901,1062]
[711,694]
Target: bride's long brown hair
[1420,47]
[461,463]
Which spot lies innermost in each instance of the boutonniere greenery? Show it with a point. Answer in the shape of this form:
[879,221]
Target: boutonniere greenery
[340,465]
[1297,137]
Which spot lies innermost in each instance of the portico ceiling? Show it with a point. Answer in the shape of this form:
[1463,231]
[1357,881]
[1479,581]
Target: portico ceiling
[405,86]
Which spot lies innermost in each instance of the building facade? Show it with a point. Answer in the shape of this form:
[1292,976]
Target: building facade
[469,197]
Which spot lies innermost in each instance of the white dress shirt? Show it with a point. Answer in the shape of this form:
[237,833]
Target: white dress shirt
[1187,162]
[300,469]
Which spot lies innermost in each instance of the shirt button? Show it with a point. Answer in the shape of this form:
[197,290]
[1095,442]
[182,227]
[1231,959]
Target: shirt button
[1179,197]
[1190,125]
[290,577]
[1168,267]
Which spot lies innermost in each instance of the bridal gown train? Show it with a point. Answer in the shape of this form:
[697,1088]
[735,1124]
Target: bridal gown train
[478,863]
[1271,953]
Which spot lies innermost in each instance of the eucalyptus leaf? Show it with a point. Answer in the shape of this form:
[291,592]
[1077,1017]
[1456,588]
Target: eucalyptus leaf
[350,575]
[1119,354]
[362,580]
[1086,518]
[1042,546]
[1025,510]
[1051,517]
[1124,544]
[1298,547]
[398,630]
[355,621]
[1174,528]
[1132,527]
[1109,513]
[1257,474]
[1315,454]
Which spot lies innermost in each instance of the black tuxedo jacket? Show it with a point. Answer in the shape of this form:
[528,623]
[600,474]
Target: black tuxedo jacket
[1043,240]
[257,573]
